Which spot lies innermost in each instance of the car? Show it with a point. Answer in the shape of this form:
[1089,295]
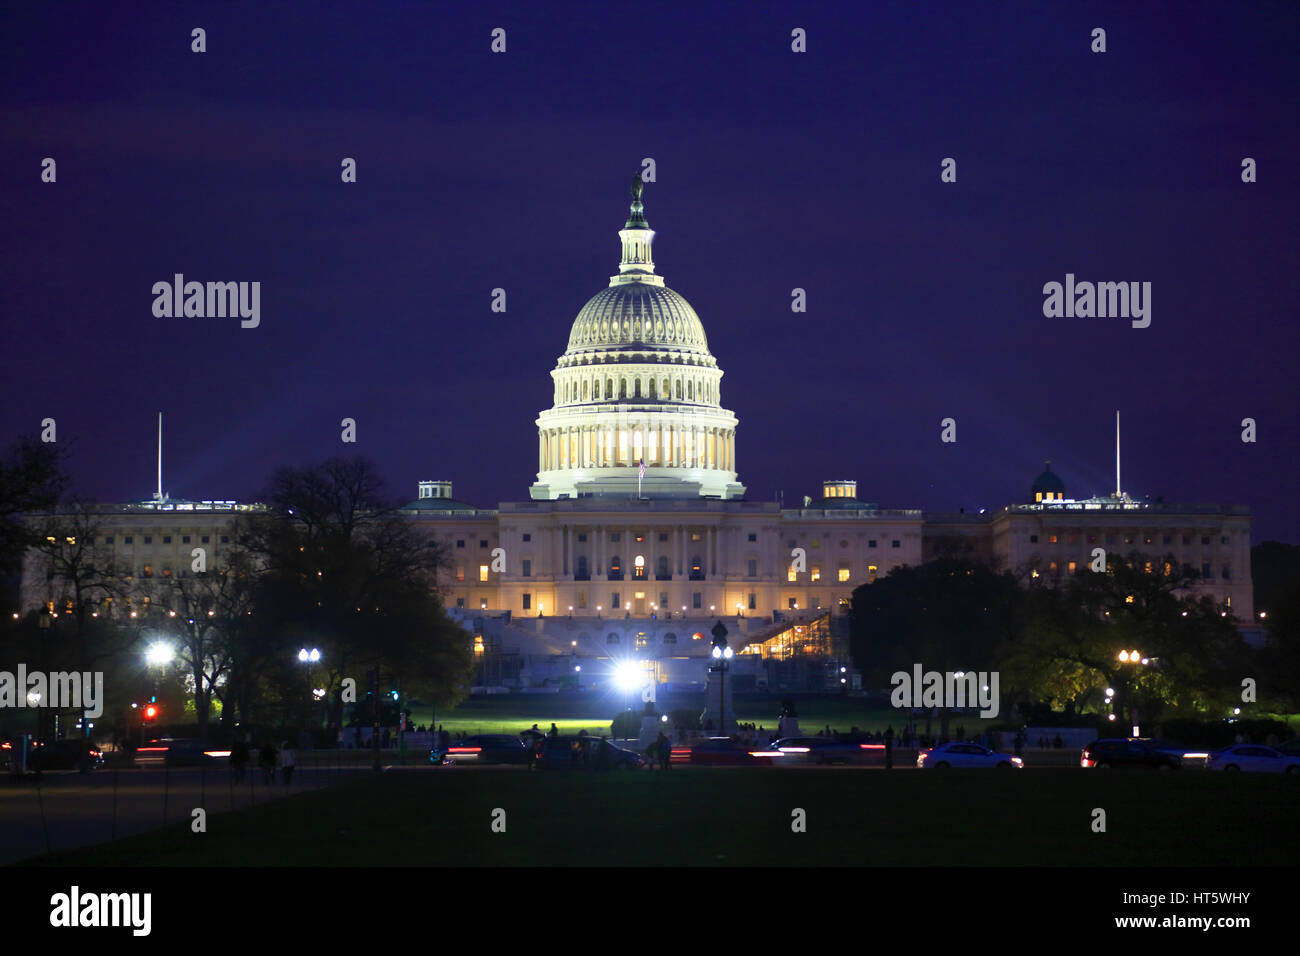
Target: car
[1130,753]
[484,749]
[65,755]
[823,750]
[723,752]
[566,752]
[189,752]
[6,756]
[1253,758]
[965,755]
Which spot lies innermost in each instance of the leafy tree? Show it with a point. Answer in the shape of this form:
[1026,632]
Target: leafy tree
[31,480]
[342,571]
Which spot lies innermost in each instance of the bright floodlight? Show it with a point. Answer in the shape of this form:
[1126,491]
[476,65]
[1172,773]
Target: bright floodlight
[302,655]
[159,654]
[728,653]
[717,651]
[1110,691]
[627,676]
[1123,655]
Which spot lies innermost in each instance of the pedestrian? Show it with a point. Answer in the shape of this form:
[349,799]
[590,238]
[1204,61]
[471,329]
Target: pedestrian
[553,732]
[239,757]
[287,759]
[532,751]
[266,760]
[665,752]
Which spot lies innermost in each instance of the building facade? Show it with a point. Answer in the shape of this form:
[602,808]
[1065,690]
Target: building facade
[637,537]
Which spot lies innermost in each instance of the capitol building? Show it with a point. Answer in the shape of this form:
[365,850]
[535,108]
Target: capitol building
[637,539]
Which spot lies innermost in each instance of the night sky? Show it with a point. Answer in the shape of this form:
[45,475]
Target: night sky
[775,170]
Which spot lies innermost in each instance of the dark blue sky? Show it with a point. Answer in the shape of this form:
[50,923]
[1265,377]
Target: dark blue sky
[774,170]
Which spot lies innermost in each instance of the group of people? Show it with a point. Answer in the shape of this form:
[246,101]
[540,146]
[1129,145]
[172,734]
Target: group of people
[269,760]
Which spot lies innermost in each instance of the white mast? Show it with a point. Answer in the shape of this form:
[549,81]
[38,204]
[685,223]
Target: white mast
[1118,493]
[159,493]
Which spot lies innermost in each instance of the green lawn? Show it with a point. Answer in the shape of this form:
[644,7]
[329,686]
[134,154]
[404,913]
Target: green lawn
[511,713]
[707,817]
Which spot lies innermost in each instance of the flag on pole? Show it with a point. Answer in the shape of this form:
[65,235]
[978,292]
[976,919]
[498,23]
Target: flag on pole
[641,471]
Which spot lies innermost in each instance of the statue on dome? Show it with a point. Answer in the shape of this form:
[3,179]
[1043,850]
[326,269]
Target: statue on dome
[637,185]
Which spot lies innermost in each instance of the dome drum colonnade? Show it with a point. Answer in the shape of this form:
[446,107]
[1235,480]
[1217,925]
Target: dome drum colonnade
[637,384]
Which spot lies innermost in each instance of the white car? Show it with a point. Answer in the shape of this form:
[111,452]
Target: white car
[964,755]
[1253,758]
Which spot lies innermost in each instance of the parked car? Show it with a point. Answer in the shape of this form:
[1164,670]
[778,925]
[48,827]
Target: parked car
[965,755]
[485,748]
[1130,752]
[819,750]
[723,752]
[65,755]
[572,752]
[1253,758]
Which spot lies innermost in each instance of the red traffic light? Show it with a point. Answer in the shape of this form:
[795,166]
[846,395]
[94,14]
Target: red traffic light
[150,712]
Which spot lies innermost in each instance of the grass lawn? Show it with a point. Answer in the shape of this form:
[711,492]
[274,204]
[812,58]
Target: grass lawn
[741,817]
[511,713]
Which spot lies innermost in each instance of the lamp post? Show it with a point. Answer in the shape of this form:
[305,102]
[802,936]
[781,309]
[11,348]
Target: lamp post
[310,657]
[1131,657]
[721,654]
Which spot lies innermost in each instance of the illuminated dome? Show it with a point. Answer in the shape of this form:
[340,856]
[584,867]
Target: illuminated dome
[637,386]
[636,314]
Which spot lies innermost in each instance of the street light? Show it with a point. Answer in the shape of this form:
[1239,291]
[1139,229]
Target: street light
[159,654]
[721,654]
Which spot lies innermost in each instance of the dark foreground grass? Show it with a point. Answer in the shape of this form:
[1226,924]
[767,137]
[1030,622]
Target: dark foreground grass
[703,817]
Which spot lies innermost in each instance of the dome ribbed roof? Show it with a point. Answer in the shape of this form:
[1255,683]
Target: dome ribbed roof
[637,314]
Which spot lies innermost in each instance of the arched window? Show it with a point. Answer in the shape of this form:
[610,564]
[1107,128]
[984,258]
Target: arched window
[622,388]
[670,638]
[636,386]
[638,566]
[596,393]
[652,389]
[609,388]
[690,390]
[679,390]
[584,391]
[611,639]
[666,391]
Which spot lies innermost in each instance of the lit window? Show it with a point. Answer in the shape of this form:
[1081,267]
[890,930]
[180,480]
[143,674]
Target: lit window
[816,573]
[482,572]
[792,574]
[844,575]
[460,573]
[871,572]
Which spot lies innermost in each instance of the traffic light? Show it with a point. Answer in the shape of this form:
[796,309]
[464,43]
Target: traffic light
[150,712]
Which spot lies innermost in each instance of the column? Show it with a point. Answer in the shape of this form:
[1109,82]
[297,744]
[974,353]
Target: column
[710,559]
[568,549]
